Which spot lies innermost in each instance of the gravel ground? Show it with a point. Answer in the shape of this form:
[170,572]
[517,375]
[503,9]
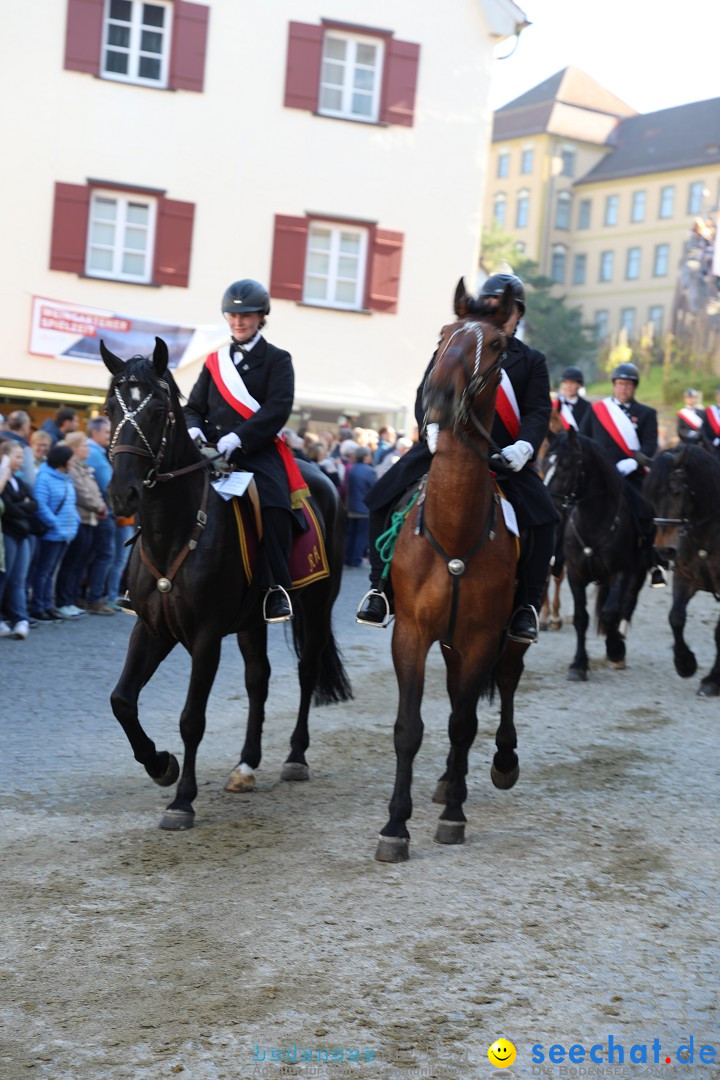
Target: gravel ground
[583,905]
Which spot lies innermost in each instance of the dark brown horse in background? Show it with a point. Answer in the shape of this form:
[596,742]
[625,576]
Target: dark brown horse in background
[684,489]
[453,576]
[187,583]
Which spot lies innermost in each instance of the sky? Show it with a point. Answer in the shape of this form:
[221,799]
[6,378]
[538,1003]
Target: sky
[652,55]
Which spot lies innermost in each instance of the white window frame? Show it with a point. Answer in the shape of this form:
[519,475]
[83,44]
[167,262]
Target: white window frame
[558,264]
[527,157]
[134,51]
[584,213]
[601,323]
[632,263]
[612,210]
[607,262]
[332,278]
[522,209]
[638,207]
[503,165]
[350,65]
[579,271]
[500,200]
[656,316]
[661,263]
[563,210]
[666,209]
[628,321]
[696,189]
[123,199]
[568,158]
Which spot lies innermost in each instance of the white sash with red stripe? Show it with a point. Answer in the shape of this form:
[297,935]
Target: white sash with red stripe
[506,406]
[691,418]
[619,427]
[239,395]
[567,416]
[713,414]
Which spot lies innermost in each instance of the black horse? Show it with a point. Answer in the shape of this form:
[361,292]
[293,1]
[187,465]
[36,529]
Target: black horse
[684,488]
[187,583]
[601,543]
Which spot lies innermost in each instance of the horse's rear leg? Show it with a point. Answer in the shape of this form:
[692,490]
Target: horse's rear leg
[253,646]
[710,686]
[179,814]
[505,768]
[145,654]
[409,658]
[578,669]
[315,634]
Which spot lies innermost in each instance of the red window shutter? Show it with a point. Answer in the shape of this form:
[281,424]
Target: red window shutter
[288,261]
[400,82]
[83,35]
[189,45]
[173,242]
[384,270]
[304,57]
[69,228]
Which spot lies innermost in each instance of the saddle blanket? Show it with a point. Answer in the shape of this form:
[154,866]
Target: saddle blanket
[308,559]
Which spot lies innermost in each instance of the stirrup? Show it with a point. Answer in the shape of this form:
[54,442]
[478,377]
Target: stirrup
[524,640]
[658,577]
[281,618]
[125,604]
[368,622]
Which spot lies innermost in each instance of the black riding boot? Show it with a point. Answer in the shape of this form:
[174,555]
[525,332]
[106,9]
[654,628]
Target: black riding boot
[532,578]
[376,605]
[273,567]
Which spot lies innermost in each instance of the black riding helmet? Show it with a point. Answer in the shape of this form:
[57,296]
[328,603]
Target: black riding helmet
[573,373]
[626,371]
[246,295]
[496,285]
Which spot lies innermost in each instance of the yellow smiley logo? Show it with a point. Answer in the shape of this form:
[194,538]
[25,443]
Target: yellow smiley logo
[502,1053]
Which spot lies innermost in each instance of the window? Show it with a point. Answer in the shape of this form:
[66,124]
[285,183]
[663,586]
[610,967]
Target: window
[500,209]
[655,316]
[120,237]
[558,263]
[612,203]
[627,321]
[602,323]
[632,264]
[503,164]
[695,197]
[350,76]
[562,210]
[579,269]
[667,201]
[637,211]
[158,43]
[527,160]
[124,234]
[584,214]
[661,261]
[350,265]
[567,156]
[606,266]
[522,212]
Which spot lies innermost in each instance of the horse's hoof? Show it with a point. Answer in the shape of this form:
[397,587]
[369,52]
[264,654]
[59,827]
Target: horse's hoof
[556,624]
[708,689]
[239,782]
[618,665]
[440,795]
[577,674]
[393,849]
[504,780]
[176,820]
[295,770]
[171,773]
[450,832]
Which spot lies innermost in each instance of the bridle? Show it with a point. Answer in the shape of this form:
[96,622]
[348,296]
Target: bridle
[572,498]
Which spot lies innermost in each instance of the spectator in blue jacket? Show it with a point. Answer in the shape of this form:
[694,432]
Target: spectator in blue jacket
[55,495]
[359,478]
[65,421]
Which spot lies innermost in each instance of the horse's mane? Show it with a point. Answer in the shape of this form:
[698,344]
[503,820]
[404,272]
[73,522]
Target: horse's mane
[600,462]
[142,368]
[482,307]
[701,469]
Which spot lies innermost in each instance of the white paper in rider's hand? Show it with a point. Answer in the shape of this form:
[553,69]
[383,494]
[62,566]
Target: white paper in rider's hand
[235,483]
[509,515]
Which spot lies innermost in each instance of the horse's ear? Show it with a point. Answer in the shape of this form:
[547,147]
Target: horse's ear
[160,357]
[112,362]
[461,299]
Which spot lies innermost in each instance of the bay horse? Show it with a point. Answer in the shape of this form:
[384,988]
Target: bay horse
[601,543]
[684,488]
[453,577]
[187,583]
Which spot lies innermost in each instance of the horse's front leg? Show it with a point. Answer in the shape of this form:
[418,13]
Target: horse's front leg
[578,670]
[684,657]
[505,767]
[555,619]
[179,814]
[145,654]
[409,656]
[710,686]
[253,646]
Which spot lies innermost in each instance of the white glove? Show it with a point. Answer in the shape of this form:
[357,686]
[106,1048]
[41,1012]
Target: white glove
[228,444]
[196,433]
[517,455]
[626,466]
[716,442]
[431,434]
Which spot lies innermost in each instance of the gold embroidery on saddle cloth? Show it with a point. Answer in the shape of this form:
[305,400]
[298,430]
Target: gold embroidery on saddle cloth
[308,558]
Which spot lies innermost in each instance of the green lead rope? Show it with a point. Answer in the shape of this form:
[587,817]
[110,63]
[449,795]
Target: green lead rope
[387,541]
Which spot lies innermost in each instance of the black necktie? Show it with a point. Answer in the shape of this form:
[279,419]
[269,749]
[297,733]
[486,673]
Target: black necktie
[236,347]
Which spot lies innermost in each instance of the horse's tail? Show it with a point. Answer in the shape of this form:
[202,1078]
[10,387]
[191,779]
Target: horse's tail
[333,684]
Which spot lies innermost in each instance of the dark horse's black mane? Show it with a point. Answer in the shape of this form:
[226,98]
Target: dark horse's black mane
[601,463]
[702,469]
[143,370]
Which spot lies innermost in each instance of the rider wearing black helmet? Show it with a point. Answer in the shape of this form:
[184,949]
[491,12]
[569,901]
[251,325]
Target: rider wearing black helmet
[241,400]
[690,418]
[519,435]
[571,406]
[627,432]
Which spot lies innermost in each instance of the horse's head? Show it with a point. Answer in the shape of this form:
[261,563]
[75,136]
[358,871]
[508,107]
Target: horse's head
[565,471]
[467,368]
[666,487]
[146,424]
